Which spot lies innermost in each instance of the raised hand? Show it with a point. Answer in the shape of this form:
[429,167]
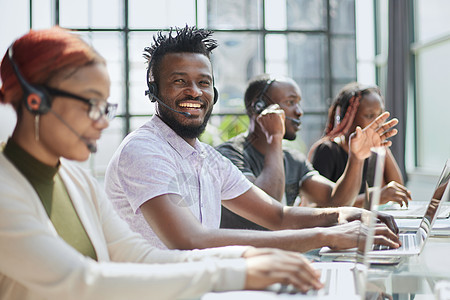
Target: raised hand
[373,135]
[267,266]
[271,121]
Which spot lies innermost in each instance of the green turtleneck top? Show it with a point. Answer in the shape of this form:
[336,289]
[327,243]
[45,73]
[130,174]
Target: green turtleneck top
[54,197]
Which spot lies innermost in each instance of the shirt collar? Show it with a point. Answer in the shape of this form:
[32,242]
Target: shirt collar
[183,148]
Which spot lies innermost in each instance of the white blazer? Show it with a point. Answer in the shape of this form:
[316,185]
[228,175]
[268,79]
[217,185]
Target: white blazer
[35,263]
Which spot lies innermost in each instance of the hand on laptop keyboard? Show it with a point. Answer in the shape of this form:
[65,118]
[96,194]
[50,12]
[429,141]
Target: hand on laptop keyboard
[268,266]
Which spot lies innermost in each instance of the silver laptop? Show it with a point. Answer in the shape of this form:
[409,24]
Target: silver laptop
[412,243]
[417,209]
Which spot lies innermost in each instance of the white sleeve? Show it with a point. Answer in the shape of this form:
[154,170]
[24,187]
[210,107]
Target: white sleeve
[33,258]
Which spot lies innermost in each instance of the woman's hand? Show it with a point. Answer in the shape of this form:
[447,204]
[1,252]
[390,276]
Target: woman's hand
[268,266]
[396,192]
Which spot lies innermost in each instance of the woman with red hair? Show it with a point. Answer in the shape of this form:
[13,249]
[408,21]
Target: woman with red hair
[355,105]
[59,237]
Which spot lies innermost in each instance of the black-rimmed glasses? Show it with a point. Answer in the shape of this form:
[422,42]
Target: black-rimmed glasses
[97,109]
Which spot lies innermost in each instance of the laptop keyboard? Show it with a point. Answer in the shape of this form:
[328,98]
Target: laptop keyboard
[404,239]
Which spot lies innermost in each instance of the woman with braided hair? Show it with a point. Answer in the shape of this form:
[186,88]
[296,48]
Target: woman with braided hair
[355,105]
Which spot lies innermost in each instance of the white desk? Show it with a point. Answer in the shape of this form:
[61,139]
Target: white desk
[413,278]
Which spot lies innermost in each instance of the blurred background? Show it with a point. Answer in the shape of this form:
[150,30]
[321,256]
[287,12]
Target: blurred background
[403,46]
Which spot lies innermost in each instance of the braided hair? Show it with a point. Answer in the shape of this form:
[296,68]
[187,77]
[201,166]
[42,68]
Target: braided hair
[342,111]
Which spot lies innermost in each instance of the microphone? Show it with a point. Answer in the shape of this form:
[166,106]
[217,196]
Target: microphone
[91,147]
[294,120]
[147,92]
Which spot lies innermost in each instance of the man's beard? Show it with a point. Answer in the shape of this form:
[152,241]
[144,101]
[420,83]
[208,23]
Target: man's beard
[184,131]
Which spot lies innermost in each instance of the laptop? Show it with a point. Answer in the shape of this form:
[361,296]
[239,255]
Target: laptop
[417,209]
[412,243]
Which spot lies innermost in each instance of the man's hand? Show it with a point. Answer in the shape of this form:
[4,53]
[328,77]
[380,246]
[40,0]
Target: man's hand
[353,234]
[271,121]
[396,192]
[349,214]
[373,135]
[267,266]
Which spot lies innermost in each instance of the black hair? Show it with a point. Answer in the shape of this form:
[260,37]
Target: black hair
[186,39]
[348,100]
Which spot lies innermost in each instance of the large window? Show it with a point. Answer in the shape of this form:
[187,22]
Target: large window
[430,106]
[312,41]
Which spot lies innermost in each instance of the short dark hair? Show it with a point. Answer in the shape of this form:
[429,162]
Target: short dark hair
[187,39]
[254,89]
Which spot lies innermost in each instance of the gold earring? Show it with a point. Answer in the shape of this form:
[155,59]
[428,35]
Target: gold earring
[36,128]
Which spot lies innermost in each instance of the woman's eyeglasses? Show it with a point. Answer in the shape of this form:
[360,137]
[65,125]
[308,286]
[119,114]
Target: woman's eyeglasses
[97,109]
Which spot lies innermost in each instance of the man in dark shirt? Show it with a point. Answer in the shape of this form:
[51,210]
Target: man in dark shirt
[273,106]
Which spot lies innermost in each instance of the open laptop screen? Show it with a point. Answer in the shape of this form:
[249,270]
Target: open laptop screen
[429,218]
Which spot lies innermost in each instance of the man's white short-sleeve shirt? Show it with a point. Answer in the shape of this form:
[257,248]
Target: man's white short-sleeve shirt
[153,160]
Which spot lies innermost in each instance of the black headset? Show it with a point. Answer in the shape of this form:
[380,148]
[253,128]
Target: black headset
[152,91]
[260,104]
[35,97]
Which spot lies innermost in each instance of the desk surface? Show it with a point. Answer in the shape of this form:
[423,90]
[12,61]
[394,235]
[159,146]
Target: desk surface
[413,278]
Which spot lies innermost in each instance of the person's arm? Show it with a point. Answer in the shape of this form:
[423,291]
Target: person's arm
[347,187]
[391,169]
[393,188]
[52,269]
[178,228]
[272,177]
[326,193]
[325,161]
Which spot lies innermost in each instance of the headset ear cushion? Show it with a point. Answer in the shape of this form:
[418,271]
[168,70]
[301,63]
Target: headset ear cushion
[216,95]
[259,105]
[152,90]
[37,100]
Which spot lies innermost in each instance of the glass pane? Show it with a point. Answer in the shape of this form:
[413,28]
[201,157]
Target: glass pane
[234,14]
[12,27]
[161,14]
[110,46]
[42,14]
[433,106]
[275,15]
[342,16]
[432,19]
[307,66]
[306,14]
[90,13]
[221,128]
[139,103]
[343,58]
[310,131]
[237,59]
[136,122]
[106,146]
[276,54]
